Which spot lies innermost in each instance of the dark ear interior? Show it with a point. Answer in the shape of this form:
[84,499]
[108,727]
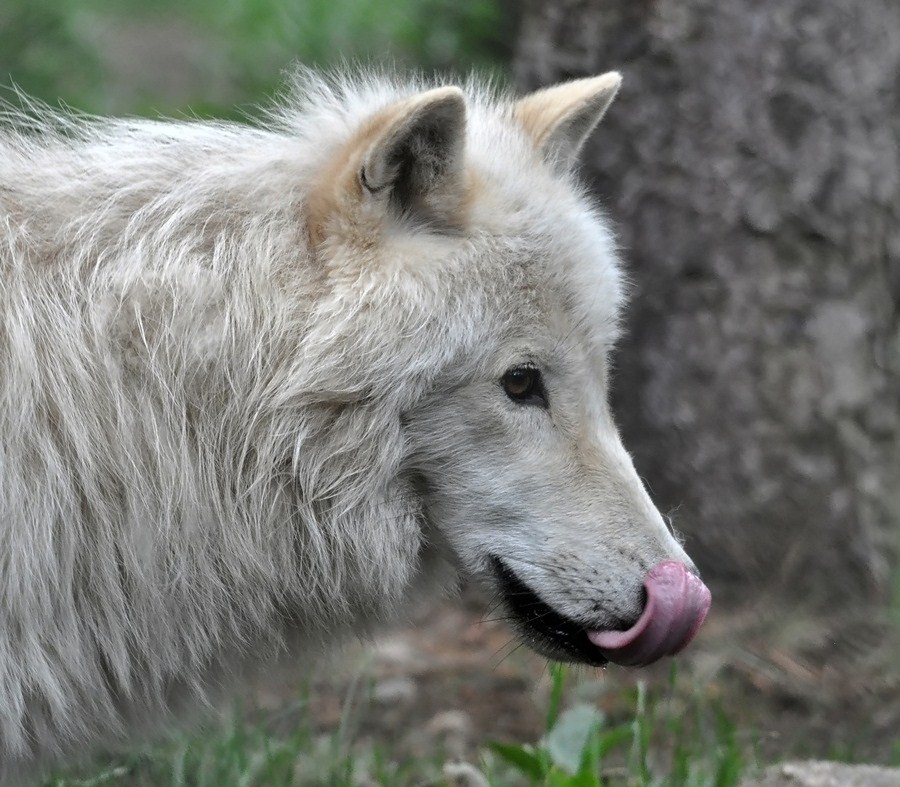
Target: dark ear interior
[417,161]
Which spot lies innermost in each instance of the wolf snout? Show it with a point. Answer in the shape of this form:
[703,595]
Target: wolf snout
[677,604]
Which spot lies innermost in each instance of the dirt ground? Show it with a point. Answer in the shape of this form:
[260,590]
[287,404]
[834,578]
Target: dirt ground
[794,686]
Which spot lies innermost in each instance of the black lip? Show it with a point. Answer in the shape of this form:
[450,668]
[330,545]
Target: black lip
[542,627]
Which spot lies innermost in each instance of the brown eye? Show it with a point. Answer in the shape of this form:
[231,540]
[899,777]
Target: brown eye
[524,385]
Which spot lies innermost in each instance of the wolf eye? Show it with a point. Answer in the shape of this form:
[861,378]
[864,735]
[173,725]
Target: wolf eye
[524,385]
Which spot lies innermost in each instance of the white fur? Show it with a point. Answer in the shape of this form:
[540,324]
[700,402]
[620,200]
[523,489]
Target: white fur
[219,440]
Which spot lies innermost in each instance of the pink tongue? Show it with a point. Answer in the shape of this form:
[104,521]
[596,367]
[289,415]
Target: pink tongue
[677,603]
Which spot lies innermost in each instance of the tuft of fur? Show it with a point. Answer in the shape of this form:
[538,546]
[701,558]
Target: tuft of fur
[240,394]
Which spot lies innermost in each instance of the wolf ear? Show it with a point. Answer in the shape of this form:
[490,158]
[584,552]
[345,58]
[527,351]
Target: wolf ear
[415,159]
[559,119]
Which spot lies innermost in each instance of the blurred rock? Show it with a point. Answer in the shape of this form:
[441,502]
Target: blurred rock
[463,774]
[395,691]
[825,774]
[452,731]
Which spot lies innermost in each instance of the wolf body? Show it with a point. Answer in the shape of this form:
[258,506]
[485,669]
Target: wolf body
[263,385]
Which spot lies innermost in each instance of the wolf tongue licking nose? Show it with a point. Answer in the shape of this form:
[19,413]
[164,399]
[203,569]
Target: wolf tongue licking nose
[677,603]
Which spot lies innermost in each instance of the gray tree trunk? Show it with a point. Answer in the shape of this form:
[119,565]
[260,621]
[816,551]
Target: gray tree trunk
[752,165]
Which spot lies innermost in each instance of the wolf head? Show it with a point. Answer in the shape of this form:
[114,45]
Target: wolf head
[493,292]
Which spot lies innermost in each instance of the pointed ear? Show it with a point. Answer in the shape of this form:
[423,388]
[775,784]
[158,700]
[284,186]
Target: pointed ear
[560,119]
[414,162]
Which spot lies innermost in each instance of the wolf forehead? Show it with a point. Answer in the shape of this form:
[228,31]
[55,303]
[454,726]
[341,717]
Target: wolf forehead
[394,184]
[512,209]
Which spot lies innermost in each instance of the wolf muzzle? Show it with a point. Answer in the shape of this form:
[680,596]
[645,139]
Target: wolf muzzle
[677,604]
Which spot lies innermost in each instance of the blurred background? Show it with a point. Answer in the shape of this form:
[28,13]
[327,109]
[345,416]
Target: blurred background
[751,166]
[211,56]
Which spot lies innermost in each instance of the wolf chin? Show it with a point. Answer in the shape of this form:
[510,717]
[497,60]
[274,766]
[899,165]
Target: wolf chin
[260,385]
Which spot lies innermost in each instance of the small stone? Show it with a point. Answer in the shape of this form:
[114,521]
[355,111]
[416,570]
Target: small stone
[463,774]
[394,691]
[453,728]
[825,774]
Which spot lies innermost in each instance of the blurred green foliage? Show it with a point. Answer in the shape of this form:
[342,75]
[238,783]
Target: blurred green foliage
[204,56]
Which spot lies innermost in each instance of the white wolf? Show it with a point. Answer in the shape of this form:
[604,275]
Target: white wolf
[261,385]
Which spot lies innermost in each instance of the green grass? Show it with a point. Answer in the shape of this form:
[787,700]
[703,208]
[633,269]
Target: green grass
[665,741]
[581,748]
[246,754]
